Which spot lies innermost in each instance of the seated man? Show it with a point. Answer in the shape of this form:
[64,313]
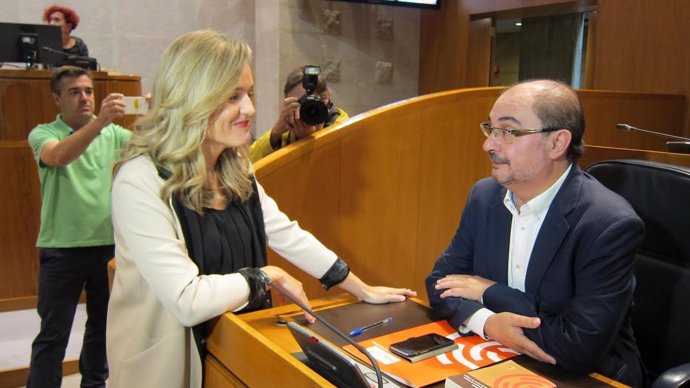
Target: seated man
[543,258]
[289,128]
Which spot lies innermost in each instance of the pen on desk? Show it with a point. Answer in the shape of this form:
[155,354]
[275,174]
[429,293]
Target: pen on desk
[362,329]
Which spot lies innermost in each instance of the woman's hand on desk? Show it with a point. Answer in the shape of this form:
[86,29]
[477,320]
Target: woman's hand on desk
[285,281]
[374,294]
[381,294]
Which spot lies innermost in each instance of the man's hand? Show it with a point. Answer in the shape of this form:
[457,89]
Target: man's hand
[113,106]
[286,120]
[464,286]
[61,153]
[507,328]
[289,120]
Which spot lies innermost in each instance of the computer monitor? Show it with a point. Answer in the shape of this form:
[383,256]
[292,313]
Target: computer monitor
[31,44]
[331,363]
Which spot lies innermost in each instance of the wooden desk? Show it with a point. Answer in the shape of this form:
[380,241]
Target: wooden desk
[254,350]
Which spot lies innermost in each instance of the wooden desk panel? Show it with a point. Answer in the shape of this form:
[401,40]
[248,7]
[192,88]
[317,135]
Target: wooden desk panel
[253,349]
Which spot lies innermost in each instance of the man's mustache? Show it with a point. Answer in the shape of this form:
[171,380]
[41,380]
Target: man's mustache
[497,159]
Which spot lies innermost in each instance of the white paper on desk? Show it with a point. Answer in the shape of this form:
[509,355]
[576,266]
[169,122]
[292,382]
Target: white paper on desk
[382,355]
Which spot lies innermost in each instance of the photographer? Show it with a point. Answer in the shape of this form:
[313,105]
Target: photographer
[291,126]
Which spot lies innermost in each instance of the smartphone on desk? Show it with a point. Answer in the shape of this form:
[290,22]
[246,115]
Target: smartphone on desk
[422,347]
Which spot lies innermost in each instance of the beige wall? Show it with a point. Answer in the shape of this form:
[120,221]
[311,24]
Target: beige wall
[367,35]
[129,36]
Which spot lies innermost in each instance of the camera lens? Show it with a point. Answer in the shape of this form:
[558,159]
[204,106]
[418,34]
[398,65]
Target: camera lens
[312,111]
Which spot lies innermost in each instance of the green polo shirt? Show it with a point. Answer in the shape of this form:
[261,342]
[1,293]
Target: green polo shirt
[75,199]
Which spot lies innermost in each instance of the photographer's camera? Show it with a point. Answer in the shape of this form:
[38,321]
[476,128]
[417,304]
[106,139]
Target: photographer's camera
[312,110]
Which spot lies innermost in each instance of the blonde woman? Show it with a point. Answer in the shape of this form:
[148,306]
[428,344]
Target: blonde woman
[191,221]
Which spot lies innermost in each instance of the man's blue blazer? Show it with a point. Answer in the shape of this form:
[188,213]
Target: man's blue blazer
[579,280]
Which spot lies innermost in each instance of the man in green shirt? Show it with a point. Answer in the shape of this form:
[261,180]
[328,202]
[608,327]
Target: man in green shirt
[74,154]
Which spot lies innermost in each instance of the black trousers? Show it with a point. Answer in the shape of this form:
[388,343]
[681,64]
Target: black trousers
[62,275]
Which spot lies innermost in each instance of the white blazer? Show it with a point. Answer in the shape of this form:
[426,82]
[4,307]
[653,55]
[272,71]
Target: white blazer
[158,294]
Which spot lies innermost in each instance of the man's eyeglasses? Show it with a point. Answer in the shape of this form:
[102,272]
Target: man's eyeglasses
[506,135]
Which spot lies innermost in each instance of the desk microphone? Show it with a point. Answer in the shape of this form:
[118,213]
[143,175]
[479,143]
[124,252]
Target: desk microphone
[626,127]
[54,51]
[379,377]
[76,60]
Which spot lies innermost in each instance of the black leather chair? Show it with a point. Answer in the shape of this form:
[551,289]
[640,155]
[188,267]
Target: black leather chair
[660,194]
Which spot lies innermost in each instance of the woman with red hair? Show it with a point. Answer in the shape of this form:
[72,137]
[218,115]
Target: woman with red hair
[67,19]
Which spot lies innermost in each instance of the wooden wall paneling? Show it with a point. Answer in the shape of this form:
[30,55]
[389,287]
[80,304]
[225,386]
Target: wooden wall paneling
[595,154]
[643,47]
[20,206]
[603,110]
[17,95]
[478,63]
[443,48]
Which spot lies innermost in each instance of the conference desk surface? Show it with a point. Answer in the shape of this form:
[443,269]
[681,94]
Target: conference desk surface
[264,340]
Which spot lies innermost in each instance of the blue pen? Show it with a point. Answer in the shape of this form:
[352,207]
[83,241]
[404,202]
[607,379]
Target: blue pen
[362,329]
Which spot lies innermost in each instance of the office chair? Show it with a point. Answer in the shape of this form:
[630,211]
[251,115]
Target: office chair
[660,194]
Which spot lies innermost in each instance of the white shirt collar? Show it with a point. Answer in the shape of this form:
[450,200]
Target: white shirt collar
[538,205]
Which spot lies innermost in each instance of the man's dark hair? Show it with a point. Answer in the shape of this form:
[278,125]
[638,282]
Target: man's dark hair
[559,107]
[66,71]
[295,77]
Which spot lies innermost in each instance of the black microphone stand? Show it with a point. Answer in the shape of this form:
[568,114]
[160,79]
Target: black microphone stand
[626,127]
[379,377]
[75,60]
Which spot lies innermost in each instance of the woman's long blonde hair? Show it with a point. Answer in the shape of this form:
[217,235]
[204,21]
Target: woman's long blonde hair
[197,74]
